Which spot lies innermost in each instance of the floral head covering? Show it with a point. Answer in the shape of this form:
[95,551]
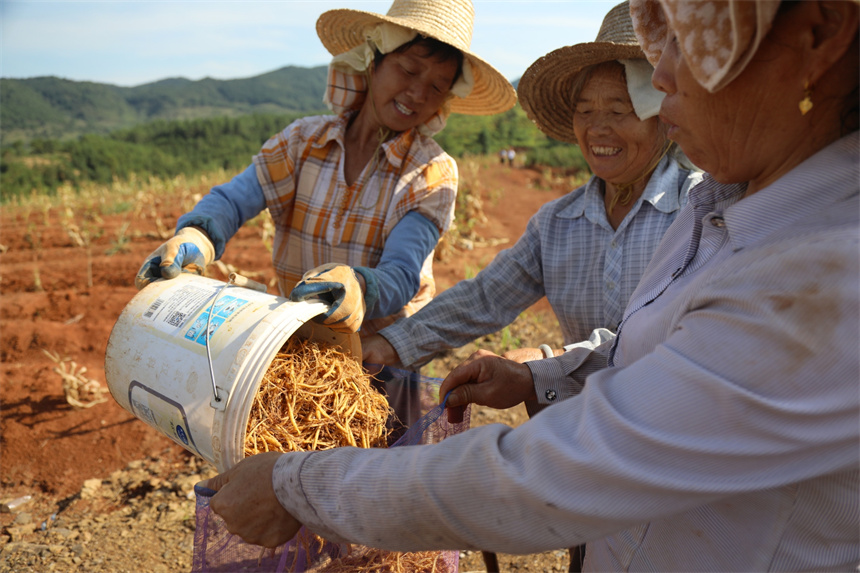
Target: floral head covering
[718,38]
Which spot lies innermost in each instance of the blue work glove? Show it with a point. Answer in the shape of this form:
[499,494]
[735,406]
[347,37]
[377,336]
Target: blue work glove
[188,251]
[338,286]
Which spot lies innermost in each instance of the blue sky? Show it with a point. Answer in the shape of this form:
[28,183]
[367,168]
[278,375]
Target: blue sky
[129,43]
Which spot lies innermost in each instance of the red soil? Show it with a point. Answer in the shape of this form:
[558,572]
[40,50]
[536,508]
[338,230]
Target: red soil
[48,446]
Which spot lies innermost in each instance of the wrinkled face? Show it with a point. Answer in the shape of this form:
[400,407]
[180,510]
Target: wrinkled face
[409,87]
[744,131]
[616,144]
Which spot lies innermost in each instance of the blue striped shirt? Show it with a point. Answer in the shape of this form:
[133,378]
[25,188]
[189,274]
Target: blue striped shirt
[570,254]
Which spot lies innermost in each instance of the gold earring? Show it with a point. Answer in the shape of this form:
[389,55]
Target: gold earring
[806,103]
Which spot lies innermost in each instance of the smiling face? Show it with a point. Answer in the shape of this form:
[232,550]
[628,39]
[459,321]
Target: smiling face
[409,86]
[617,145]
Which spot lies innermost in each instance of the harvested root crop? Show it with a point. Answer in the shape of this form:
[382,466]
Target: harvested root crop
[360,559]
[315,397]
[369,560]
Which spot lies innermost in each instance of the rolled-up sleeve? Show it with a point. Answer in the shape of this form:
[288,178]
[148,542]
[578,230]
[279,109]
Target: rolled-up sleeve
[559,378]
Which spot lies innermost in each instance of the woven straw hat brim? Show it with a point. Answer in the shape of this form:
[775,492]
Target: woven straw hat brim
[546,88]
[343,29]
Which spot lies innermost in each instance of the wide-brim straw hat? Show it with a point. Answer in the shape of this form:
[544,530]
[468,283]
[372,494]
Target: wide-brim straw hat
[449,21]
[546,88]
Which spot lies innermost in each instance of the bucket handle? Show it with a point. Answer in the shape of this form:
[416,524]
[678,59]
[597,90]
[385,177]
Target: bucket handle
[240,281]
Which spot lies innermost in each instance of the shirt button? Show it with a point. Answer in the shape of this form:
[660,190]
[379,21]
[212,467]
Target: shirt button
[551,395]
[614,244]
[610,285]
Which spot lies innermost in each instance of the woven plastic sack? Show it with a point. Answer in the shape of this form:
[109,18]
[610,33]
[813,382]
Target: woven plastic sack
[216,550]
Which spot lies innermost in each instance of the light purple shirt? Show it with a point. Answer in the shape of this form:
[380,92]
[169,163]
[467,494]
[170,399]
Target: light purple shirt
[724,436]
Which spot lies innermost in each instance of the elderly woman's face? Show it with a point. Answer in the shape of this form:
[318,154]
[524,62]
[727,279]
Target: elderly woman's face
[617,145]
[744,131]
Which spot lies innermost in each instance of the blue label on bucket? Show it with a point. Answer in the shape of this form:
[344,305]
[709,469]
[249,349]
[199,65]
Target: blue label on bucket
[180,433]
[223,309]
[162,413]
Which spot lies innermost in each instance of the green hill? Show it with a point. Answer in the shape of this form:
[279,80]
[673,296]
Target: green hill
[51,107]
[55,131]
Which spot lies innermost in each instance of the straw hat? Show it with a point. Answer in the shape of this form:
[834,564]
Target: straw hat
[448,21]
[546,88]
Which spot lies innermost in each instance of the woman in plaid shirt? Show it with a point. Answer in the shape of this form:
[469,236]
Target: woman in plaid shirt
[359,199]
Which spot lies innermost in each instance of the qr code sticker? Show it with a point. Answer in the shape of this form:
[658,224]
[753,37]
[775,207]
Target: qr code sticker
[176,318]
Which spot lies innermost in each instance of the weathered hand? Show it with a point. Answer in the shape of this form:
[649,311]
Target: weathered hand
[247,502]
[339,286]
[190,250]
[486,379]
[377,350]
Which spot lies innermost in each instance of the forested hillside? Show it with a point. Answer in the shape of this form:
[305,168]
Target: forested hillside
[57,132]
[51,107]
[168,148]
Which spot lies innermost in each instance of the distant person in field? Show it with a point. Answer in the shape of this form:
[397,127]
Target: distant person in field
[511,156]
[359,199]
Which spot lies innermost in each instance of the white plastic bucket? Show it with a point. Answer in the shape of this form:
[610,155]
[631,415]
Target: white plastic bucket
[157,368]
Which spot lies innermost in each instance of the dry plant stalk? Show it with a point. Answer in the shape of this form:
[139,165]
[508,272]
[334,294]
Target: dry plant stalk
[316,397]
[80,391]
[369,560]
[360,559]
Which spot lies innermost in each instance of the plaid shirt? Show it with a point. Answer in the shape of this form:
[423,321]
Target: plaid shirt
[320,219]
[570,254]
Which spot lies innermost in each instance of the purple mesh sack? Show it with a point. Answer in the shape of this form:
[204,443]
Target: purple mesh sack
[216,550]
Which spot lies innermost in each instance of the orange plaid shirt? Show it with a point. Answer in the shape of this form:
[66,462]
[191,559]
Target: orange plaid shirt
[320,219]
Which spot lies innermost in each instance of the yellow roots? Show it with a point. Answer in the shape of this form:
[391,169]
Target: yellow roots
[316,397]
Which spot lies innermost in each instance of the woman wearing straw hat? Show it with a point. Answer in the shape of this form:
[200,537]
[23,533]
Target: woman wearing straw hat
[587,250]
[360,199]
[724,435]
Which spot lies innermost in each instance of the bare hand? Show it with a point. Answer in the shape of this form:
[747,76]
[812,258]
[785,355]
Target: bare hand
[522,355]
[486,379]
[247,502]
[377,350]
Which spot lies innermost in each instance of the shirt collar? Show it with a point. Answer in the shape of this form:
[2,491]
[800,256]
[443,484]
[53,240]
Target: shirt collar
[829,176]
[395,149]
[655,193]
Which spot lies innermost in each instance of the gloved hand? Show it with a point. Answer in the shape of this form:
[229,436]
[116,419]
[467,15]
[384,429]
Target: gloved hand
[337,285]
[190,250]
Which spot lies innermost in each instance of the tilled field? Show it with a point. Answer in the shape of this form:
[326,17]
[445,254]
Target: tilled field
[107,492]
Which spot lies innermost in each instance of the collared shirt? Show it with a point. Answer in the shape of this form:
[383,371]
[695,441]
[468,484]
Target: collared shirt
[569,253]
[724,436]
[319,218]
